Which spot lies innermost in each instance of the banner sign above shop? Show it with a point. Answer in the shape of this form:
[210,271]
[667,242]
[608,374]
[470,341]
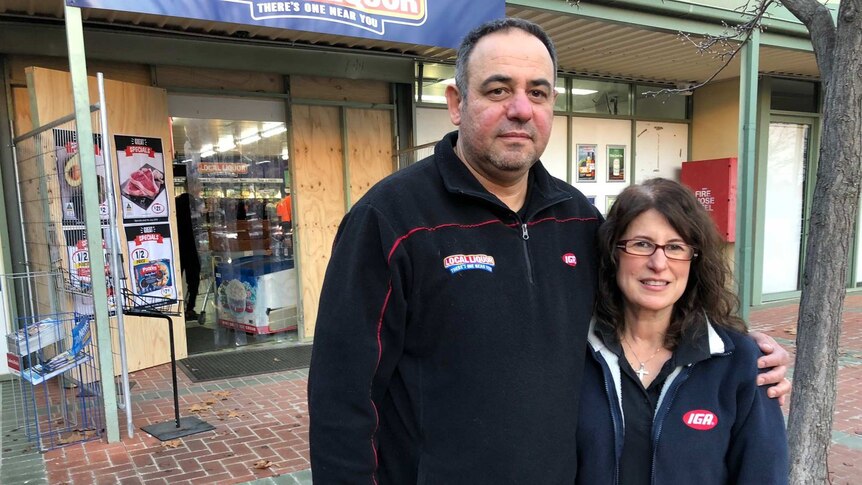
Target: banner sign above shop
[427,22]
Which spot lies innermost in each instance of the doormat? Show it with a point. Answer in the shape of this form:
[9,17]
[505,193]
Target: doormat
[225,365]
[199,340]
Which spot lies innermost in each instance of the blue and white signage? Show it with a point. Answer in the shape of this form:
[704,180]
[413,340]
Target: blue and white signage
[428,22]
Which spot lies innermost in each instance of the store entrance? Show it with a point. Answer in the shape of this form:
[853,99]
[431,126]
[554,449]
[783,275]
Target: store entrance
[234,215]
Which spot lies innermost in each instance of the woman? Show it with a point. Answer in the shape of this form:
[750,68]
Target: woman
[669,393]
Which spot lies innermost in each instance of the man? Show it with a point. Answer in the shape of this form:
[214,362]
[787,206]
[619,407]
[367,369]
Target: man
[190,263]
[452,329]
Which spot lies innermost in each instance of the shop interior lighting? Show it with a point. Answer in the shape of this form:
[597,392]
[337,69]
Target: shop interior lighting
[284,154]
[275,130]
[207,154]
[187,160]
[264,161]
[225,143]
[433,98]
[249,139]
[583,92]
[207,150]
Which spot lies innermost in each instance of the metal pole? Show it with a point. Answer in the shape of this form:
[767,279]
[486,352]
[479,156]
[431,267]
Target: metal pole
[116,262]
[743,249]
[28,305]
[81,94]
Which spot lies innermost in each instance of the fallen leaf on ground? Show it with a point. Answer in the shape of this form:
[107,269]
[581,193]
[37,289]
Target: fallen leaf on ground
[262,464]
[172,444]
[223,395]
[210,402]
[276,359]
[234,414]
[790,330]
[77,435]
[199,408]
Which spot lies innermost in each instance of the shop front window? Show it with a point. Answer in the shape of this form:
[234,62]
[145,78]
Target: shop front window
[235,174]
[666,106]
[600,97]
[435,78]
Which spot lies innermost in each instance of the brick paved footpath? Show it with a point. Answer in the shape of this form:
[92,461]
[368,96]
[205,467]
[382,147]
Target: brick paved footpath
[266,418]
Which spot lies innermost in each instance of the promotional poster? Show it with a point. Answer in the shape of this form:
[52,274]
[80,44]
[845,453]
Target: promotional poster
[151,260]
[69,176]
[79,275]
[141,164]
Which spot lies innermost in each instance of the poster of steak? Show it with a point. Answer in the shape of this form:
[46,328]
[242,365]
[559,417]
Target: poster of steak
[141,164]
[151,260]
[69,176]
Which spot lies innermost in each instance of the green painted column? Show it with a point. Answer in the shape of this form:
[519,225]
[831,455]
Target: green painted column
[743,249]
[80,91]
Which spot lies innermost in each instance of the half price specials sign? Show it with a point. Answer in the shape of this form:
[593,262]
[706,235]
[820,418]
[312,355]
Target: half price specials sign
[151,260]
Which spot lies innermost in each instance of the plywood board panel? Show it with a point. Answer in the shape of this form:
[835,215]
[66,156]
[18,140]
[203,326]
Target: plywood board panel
[369,148]
[120,71]
[132,109]
[21,109]
[332,89]
[197,77]
[319,197]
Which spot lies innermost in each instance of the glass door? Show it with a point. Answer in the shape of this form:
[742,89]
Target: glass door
[237,210]
[785,208]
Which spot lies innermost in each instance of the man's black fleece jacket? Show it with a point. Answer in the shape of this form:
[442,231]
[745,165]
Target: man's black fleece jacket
[451,335]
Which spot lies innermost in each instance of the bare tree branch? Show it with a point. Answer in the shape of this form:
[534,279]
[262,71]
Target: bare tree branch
[720,45]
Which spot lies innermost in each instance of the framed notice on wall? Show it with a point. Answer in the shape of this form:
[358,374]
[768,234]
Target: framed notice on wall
[616,158]
[586,162]
[609,202]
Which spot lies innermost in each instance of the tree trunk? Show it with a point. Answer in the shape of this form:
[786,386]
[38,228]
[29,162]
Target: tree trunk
[833,217]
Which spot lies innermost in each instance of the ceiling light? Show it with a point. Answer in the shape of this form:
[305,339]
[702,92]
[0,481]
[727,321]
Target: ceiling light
[431,98]
[207,153]
[582,92]
[249,139]
[275,130]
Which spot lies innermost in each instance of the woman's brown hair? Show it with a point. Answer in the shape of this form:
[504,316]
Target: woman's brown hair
[707,292]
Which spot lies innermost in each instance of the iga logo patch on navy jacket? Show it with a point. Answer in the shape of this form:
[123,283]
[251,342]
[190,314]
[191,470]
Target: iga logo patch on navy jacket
[712,426]
[450,340]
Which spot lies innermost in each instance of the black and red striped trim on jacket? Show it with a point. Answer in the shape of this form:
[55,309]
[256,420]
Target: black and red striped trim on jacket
[422,374]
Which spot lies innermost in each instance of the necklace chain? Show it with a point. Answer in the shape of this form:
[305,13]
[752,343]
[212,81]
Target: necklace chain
[641,372]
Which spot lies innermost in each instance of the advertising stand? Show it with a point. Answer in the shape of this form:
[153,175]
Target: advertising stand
[165,308]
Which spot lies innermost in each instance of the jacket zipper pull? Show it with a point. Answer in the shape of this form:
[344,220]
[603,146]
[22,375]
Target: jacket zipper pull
[524,233]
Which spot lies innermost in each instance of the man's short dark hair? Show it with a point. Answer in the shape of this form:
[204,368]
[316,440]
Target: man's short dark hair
[474,36]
